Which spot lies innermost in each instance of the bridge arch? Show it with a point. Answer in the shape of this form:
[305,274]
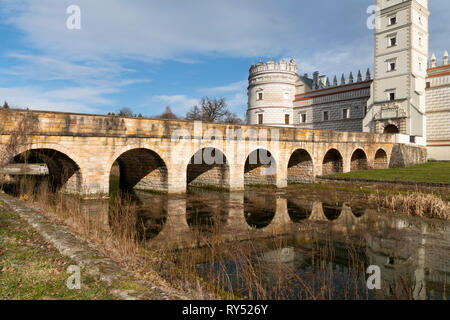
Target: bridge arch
[380,160]
[208,167]
[332,162]
[64,168]
[139,168]
[300,167]
[358,161]
[260,168]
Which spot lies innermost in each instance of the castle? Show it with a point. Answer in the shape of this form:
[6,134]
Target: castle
[409,95]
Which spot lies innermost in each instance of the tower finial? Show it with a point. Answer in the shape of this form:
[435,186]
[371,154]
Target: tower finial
[350,78]
[342,80]
[433,61]
[445,58]
[328,83]
[368,74]
[335,82]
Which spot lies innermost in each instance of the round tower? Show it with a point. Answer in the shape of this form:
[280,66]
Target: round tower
[271,93]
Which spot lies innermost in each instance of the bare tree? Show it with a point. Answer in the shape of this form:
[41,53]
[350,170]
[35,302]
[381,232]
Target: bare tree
[195,114]
[209,110]
[125,112]
[168,114]
[6,105]
[233,119]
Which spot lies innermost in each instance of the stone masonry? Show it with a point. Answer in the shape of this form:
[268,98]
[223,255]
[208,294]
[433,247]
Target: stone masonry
[169,155]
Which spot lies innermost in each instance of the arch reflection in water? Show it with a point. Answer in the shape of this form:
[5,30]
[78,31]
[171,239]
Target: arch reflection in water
[332,211]
[259,209]
[207,215]
[299,211]
[146,213]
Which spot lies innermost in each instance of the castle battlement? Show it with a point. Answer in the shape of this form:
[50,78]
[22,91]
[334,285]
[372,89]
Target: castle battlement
[271,66]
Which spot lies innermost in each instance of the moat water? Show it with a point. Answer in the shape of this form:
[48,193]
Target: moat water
[311,242]
[302,246]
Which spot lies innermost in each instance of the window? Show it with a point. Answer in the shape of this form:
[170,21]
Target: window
[392,20]
[260,96]
[287,119]
[260,119]
[392,66]
[325,116]
[303,118]
[392,41]
[345,113]
[428,85]
[392,96]
[287,96]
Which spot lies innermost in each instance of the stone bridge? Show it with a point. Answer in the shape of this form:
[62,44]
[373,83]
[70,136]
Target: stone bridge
[82,150]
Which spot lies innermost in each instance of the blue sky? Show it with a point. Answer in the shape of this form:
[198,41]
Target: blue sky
[146,54]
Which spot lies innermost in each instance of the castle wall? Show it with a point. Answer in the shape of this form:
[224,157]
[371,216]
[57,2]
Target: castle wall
[438,113]
[333,100]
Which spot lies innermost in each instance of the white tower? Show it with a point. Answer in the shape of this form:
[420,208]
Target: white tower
[271,93]
[397,103]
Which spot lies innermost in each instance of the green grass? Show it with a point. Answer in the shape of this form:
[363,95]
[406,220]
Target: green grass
[32,269]
[428,172]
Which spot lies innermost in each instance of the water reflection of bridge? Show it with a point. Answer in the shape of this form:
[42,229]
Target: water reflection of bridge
[398,244]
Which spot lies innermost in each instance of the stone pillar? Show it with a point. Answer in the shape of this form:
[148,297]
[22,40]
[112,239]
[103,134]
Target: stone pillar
[95,180]
[317,169]
[236,177]
[282,181]
[346,163]
[177,179]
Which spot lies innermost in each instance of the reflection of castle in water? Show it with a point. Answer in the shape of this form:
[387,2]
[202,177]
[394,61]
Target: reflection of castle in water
[397,244]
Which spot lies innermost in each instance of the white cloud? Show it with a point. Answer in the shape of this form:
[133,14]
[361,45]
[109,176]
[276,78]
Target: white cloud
[328,36]
[65,99]
[155,29]
[181,30]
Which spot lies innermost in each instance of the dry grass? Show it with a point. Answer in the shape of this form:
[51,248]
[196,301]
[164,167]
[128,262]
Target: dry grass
[414,204]
[251,269]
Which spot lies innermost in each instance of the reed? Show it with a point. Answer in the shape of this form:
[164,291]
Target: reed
[250,269]
[414,204]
